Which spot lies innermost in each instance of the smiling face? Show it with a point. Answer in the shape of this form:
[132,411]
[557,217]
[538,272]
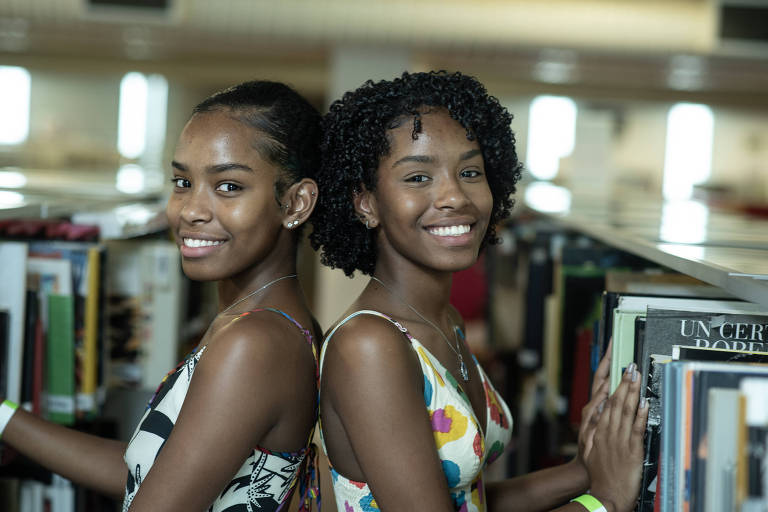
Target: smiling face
[432,202]
[222,209]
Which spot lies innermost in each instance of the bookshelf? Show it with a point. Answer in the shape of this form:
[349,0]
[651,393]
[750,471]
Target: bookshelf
[143,300]
[585,242]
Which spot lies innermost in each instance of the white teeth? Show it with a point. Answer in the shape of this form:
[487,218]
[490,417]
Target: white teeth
[450,230]
[193,242]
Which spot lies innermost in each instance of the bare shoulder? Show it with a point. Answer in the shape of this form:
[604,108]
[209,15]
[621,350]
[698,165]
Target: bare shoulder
[369,356]
[265,342]
[367,339]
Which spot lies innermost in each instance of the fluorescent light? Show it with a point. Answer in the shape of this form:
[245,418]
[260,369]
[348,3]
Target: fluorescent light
[684,222]
[130,179]
[688,155]
[132,123]
[543,196]
[14,104]
[551,134]
[12,179]
[10,199]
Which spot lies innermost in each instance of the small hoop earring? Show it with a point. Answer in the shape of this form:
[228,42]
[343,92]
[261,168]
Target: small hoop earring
[366,224]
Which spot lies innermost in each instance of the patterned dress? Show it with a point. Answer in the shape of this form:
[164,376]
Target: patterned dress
[464,449]
[266,478]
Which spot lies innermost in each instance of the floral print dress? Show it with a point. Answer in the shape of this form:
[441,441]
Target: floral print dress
[266,479]
[463,448]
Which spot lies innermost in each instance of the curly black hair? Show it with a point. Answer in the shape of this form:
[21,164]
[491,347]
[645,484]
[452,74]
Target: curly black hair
[354,140]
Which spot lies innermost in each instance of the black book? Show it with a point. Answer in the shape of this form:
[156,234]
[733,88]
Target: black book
[667,328]
[28,357]
[5,321]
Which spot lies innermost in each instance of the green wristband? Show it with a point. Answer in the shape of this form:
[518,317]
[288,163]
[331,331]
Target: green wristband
[6,411]
[590,503]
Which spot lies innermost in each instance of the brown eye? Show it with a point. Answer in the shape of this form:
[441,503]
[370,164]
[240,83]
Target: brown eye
[180,182]
[228,187]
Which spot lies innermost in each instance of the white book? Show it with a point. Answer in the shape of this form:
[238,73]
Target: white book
[13,265]
[722,429]
[31,496]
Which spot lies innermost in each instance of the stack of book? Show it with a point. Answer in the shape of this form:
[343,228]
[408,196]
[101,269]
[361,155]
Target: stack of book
[51,343]
[704,363]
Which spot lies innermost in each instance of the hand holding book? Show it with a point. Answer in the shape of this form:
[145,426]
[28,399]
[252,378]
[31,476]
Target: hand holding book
[615,459]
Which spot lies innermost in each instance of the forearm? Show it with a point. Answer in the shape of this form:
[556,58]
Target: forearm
[85,459]
[541,490]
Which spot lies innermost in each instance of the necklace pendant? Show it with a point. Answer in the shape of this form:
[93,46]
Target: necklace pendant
[463,370]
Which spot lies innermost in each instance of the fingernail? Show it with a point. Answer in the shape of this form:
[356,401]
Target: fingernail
[634,375]
[630,369]
[643,403]
[601,407]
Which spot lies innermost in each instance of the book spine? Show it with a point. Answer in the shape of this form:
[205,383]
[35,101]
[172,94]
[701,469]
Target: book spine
[12,298]
[87,398]
[61,359]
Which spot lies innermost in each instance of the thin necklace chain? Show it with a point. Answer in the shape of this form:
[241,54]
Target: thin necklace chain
[255,292]
[462,367]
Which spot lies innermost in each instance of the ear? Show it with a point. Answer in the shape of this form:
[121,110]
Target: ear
[298,202]
[365,207]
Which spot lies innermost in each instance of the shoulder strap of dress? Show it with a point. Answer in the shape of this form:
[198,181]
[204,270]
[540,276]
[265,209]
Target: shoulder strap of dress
[351,316]
[305,332]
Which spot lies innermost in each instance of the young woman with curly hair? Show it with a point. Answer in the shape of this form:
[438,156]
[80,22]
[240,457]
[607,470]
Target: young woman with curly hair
[229,428]
[416,173]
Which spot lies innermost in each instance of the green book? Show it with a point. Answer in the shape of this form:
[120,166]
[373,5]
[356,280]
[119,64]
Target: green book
[60,359]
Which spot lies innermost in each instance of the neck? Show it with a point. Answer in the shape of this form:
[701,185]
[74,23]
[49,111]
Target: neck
[238,286]
[426,291]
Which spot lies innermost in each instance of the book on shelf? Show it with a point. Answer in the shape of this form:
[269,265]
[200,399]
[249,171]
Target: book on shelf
[579,276]
[34,355]
[752,473]
[5,331]
[708,461]
[13,300]
[145,309]
[52,279]
[85,260]
[724,407]
[631,307]
[652,331]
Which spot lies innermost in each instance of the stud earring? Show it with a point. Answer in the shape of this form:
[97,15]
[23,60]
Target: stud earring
[313,193]
[292,223]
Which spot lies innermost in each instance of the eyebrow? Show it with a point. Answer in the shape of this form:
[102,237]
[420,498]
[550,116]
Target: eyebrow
[215,168]
[425,159]
[422,159]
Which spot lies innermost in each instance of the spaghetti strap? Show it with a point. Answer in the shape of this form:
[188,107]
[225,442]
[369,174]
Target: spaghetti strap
[350,317]
[306,332]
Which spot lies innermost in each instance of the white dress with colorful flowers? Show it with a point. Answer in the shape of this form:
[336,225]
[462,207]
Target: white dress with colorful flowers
[463,448]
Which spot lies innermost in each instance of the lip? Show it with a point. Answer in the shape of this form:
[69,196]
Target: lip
[198,245]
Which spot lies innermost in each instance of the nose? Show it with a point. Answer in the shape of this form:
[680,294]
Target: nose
[450,192]
[196,207]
